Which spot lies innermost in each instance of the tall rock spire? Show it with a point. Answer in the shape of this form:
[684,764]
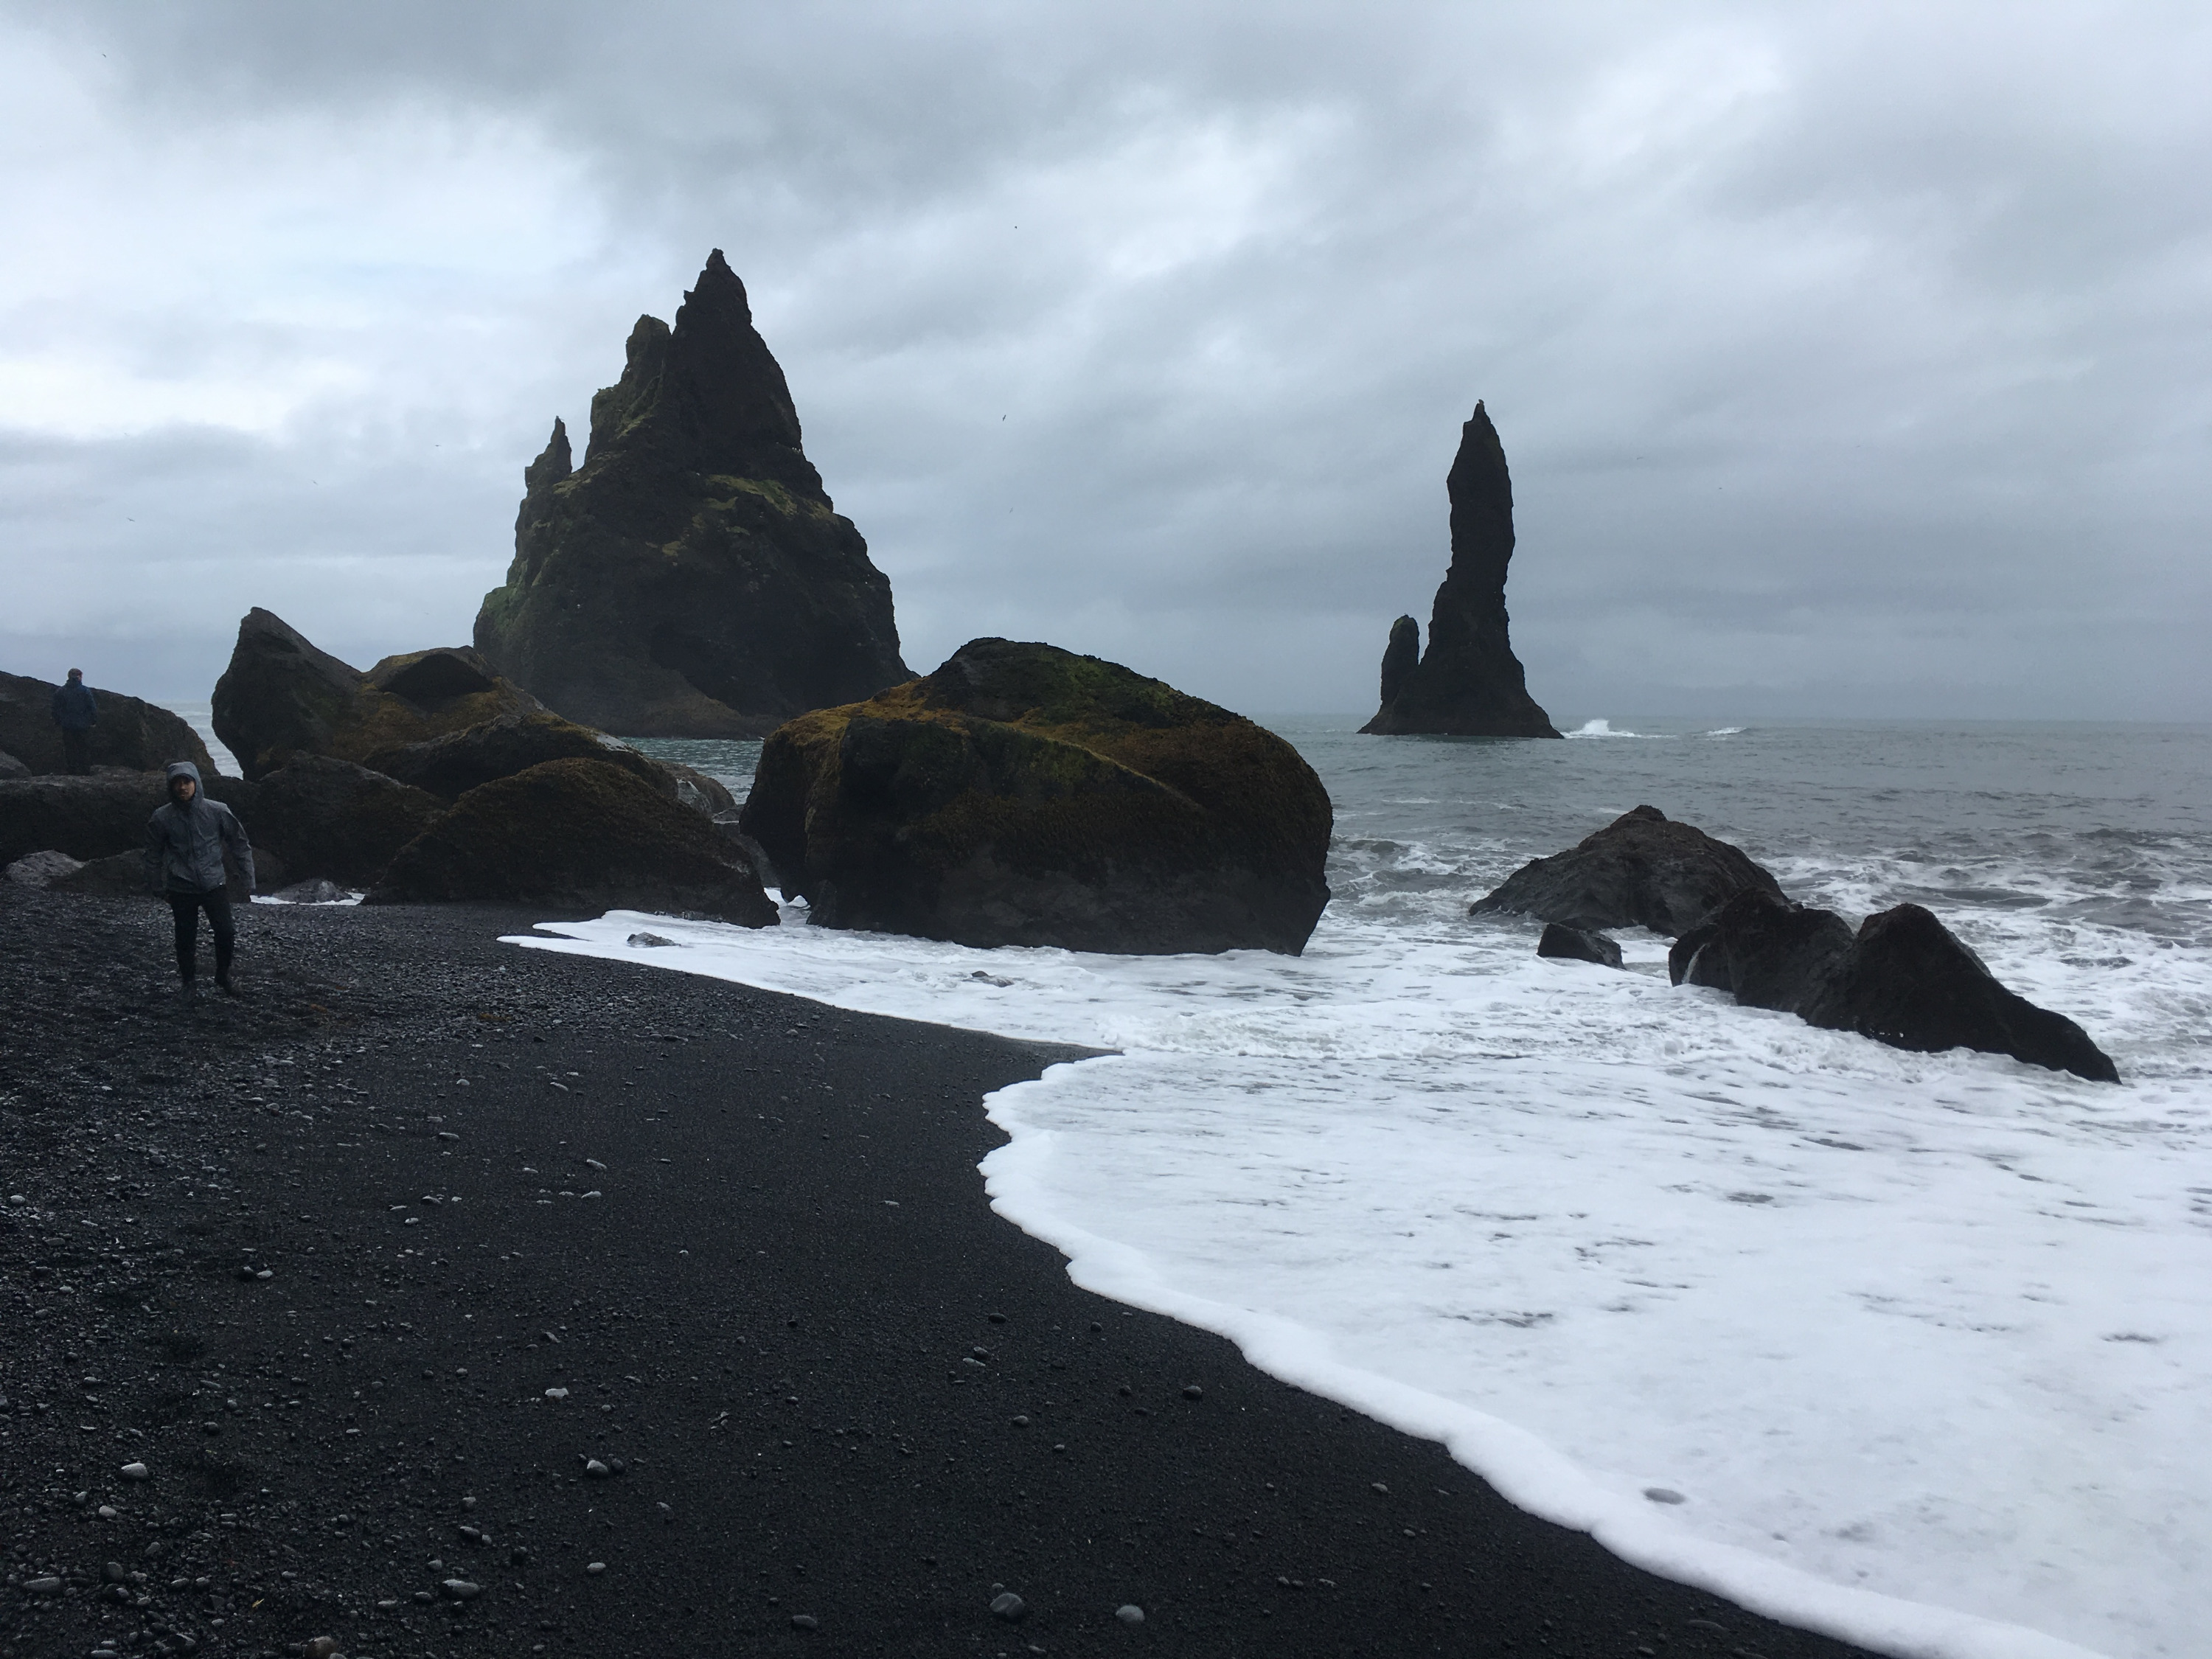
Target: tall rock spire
[1467,683]
[692,578]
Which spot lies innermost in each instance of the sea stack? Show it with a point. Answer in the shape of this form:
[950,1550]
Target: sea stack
[1468,683]
[691,579]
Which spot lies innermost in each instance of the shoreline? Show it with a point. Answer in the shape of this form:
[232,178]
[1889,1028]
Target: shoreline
[840,1388]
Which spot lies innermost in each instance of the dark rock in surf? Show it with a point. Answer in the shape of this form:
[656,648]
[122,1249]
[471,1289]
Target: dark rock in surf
[1468,683]
[130,733]
[1025,795]
[692,578]
[1642,869]
[281,696]
[1578,944]
[1776,954]
[326,816]
[1908,982]
[1697,959]
[580,833]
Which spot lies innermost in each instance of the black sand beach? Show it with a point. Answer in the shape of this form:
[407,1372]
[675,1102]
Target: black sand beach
[314,1260]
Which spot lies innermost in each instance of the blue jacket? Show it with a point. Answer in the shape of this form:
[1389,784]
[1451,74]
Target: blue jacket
[74,708]
[185,844]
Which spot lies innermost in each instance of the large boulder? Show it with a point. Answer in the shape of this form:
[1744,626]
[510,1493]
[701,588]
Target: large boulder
[1642,869]
[11,768]
[1468,683]
[130,733]
[84,818]
[583,834]
[1025,795]
[692,578]
[1909,982]
[281,696]
[1766,950]
[326,816]
[451,765]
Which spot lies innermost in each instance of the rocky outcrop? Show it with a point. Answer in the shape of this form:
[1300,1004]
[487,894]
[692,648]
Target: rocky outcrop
[281,696]
[1025,795]
[84,818]
[329,817]
[1765,951]
[1642,869]
[1468,683]
[1578,944]
[451,765]
[692,578]
[1908,982]
[131,733]
[1904,979]
[11,768]
[582,834]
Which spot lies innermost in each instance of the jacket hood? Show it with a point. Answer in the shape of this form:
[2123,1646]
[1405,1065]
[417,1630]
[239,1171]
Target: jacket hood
[184,769]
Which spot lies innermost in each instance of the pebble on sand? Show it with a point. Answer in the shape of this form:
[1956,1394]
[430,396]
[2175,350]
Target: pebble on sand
[804,1621]
[1008,1606]
[1664,1495]
[596,1568]
[135,1471]
[1130,1614]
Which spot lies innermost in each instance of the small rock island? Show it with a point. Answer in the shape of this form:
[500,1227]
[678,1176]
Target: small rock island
[692,578]
[1468,683]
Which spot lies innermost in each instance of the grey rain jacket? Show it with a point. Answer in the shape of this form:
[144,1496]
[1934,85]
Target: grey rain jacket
[184,844]
[74,707]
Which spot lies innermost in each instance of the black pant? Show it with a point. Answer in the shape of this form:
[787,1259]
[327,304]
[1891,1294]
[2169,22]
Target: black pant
[76,753]
[186,908]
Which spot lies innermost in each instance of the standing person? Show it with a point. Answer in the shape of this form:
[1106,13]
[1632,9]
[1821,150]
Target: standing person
[185,843]
[76,713]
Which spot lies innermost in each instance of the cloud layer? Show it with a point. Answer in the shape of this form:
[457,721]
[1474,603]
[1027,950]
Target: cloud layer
[1851,359]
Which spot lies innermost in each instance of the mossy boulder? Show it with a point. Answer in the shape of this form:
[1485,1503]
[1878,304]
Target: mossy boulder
[1023,795]
[130,732]
[583,834]
[451,765]
[281,696]
[692,578]
[326,817]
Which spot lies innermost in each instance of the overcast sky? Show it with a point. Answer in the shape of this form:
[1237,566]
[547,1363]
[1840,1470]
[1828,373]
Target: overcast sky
[1851,359]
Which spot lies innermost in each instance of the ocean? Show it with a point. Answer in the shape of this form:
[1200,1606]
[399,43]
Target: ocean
[1913,1349]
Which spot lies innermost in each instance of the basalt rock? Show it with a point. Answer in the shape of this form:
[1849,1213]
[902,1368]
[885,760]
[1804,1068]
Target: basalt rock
[1774,954]
[1642,869]
[692,578]
[326,817]
[581,833]
[130,733]
[1468,683]
[1578,944]
[281,696]
[451,765]
[1025,795]
[12,768]
[1908,982]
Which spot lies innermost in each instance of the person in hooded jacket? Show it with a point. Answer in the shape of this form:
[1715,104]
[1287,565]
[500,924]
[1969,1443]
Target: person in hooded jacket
[185,844]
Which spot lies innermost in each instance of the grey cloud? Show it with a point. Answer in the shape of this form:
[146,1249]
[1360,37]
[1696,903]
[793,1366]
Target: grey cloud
[1850,358]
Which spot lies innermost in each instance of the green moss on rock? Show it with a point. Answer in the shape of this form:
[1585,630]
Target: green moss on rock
[580,833]
[1024,794]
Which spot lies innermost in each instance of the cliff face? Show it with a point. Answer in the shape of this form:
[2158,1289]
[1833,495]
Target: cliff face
[1467,683]
[691,579]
